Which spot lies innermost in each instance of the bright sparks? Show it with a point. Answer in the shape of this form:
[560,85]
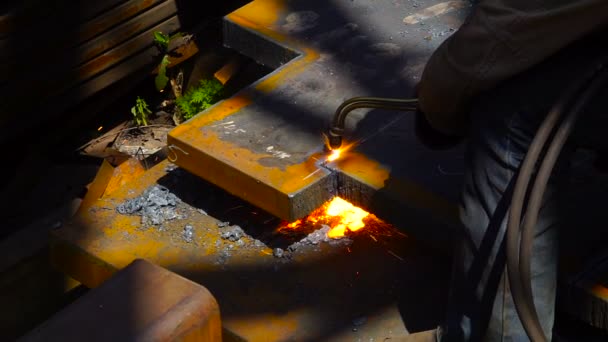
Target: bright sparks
[335,154]
[340,215]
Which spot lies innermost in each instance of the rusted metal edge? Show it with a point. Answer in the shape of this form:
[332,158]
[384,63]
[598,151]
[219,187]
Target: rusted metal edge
[254,44]
[286,205]
[395,205]
[78,263]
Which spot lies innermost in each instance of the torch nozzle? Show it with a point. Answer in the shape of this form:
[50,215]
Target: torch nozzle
[336,130]
[334,138]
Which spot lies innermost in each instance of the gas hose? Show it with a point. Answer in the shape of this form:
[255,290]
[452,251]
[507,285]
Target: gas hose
[520,241]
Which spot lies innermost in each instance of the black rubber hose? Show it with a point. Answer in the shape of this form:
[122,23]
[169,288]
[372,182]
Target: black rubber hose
[542,179]
[336,130]
[518,259]
[526,313]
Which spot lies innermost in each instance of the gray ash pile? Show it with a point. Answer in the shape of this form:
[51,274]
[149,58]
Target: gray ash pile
[155,205]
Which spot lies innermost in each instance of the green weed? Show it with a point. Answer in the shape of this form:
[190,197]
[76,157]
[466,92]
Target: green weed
[162,42]
[200,98]
[140,112]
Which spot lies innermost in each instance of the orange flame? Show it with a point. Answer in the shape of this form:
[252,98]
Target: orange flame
[339,214]
[335,154]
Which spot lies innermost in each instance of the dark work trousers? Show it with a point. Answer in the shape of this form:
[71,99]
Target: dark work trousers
[504,122]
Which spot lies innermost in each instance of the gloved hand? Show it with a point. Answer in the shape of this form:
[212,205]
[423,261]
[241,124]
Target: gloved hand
[427,135]
[430,137]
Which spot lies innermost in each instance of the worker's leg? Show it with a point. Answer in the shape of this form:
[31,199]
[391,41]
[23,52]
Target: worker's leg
[505,121]
[482,307]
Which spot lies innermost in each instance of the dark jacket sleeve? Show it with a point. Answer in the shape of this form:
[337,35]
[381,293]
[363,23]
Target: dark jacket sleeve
[499,39]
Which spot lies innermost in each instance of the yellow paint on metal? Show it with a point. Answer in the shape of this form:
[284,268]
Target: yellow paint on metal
[123,174]
[265,327]
[263,13]
[225,73]
[364,169]
[596,290]
[101,241]
[110,178]
[215,113]
[238,170]
[98,186]
[291,69]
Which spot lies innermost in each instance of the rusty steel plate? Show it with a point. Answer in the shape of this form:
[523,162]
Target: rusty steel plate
[264,145]
[347,288]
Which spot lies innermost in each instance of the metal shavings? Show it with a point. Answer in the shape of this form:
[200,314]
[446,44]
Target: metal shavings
[201,211]
[232,233]
[223,257]
[317,237]
[223,224]
[277,153]
[396,256]
[278,252]
[188,233]
[156,205]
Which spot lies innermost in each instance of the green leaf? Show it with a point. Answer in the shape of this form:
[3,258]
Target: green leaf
[161,79]
[161,39]
[140,112]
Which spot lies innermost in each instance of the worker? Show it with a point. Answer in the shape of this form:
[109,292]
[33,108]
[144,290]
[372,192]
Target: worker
[493,81]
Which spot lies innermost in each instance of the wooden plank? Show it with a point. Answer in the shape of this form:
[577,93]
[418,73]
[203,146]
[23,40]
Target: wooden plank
[49,86]
[32,16]
[52,107]
[126,30]
[91,48]
[20,45]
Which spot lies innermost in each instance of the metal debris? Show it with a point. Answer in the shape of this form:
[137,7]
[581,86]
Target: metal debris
[278,252]
[201,211]
[188,233]
[232,233]
[223,224]
[223,257]
[156,205]
[171,167]
[317,237]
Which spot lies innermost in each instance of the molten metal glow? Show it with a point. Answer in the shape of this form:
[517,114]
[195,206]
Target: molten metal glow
[340,215]
[351,217]
[334,155]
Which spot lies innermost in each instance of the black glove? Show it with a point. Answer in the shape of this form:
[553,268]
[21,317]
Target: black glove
[432,138]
